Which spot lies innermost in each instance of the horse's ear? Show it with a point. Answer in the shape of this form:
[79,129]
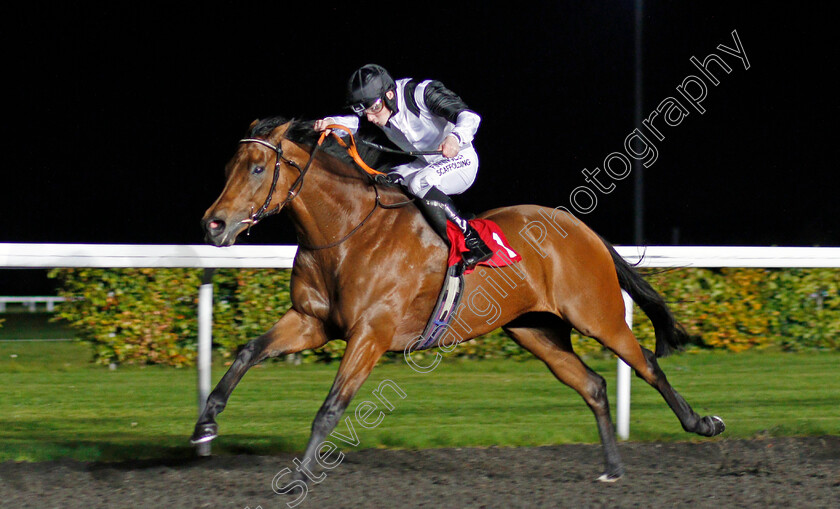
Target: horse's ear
[279,132]
[251,127]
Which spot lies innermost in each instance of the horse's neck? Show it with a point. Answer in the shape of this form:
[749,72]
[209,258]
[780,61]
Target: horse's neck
[329,205]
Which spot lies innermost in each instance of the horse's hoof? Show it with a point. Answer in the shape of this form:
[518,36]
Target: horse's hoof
[606,477]
[612,474]
[712,425]
[204,433]
[717,425]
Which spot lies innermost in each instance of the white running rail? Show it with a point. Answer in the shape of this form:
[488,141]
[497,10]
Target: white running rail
[202,256]
[31,302]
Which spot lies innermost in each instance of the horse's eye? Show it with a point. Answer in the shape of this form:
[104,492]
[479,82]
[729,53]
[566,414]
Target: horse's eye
[257,170]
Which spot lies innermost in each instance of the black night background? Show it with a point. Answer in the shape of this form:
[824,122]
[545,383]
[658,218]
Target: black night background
[118,120]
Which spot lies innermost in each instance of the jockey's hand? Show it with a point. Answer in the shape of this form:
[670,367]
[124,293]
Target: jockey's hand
[450,146]
[321,125]
[388,179]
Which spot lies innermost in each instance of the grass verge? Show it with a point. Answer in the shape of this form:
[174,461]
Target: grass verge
[55,404]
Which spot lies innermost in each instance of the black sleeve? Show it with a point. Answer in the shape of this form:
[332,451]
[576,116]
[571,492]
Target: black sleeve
[443,102]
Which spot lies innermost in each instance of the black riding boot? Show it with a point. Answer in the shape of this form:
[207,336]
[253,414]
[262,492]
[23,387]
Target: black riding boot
[438,207]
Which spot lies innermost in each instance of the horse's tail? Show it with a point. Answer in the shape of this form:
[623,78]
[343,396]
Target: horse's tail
[670,335]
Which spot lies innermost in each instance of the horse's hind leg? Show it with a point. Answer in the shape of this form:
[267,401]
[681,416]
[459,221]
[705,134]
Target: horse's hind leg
[625,345]
[548,338]
[292,333]
[707,426]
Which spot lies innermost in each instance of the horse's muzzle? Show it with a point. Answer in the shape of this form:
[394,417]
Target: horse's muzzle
[215,231]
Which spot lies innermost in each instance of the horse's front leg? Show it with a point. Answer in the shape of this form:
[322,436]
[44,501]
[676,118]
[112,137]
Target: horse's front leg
[363,351]
[292,333]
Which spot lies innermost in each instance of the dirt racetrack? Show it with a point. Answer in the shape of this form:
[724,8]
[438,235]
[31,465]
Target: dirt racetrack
[778,472]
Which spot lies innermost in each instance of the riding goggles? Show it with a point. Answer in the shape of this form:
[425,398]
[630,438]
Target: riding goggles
[363,109]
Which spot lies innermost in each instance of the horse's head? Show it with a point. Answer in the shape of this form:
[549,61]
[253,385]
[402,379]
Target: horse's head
[262,177]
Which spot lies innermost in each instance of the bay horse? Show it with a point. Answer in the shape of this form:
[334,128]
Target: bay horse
[369,268]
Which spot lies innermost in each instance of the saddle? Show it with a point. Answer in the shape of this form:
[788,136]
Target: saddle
[453,284]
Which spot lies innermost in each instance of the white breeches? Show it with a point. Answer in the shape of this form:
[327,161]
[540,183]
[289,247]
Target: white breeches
[450,176]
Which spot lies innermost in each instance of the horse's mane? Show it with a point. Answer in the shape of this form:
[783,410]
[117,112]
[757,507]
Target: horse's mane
[301,132]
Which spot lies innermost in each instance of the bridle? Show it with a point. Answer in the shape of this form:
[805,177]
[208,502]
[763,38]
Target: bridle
[263,211]
[297,185]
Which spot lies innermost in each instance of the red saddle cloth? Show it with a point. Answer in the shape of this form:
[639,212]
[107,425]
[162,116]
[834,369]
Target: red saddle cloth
[491,234]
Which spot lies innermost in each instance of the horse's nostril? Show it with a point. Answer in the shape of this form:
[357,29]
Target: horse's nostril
[215,225]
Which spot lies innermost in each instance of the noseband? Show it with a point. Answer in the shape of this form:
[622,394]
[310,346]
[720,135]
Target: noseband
[263,211]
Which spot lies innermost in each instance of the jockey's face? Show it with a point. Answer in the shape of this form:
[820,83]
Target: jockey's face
[381,115]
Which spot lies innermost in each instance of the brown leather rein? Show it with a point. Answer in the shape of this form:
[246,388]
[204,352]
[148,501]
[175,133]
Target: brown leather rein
[297,185]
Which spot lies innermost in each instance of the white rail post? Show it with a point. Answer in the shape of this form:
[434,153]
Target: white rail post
[622,404]
[205,345]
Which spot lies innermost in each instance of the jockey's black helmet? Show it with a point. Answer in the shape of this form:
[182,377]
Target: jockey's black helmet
[368,84]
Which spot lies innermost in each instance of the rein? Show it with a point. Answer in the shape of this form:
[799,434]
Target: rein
[351,149]
[376,204]
[296,187]
[354,152]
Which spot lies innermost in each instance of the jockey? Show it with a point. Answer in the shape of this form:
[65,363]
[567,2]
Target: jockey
[421,116]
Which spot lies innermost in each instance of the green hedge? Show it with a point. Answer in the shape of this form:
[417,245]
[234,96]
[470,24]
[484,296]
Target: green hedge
[149,315]
[740,309]
[132,315]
